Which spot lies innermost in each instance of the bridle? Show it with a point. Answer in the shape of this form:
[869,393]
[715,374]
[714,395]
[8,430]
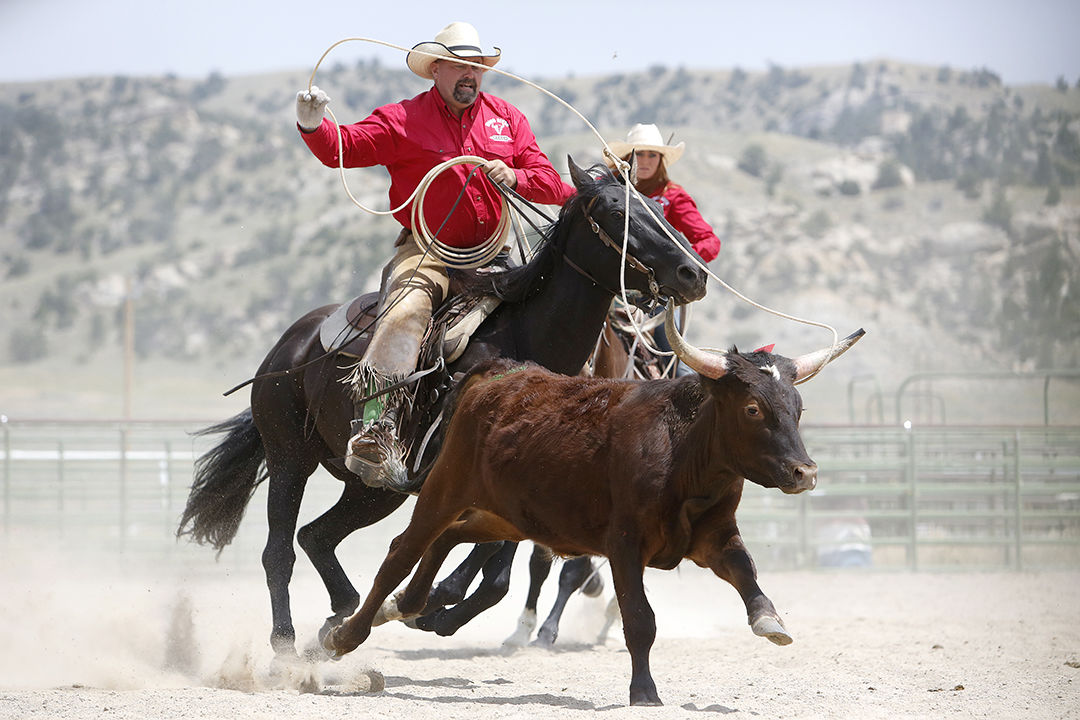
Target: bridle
[633,262]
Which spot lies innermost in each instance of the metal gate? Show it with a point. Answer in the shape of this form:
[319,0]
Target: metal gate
[931,497]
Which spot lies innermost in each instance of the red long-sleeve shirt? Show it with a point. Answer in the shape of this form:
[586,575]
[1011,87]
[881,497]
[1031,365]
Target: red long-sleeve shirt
[412,136]
[681,211]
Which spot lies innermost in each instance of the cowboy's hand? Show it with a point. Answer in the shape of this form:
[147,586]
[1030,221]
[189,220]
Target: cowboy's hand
[500,172]
[309,108]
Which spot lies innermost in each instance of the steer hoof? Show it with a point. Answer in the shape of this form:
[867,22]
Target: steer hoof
[645,699]
[332,653]
[388,612]
[770,627]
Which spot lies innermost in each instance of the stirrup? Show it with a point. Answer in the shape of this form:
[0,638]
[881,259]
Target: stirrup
[375,455]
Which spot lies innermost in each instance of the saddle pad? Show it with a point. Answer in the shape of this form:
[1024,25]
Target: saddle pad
[457,335]
[344,327]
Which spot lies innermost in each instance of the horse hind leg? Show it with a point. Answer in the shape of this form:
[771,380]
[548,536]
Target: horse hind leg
[285,491]
[358,506]
[428,522]
[539,569]
[576,571]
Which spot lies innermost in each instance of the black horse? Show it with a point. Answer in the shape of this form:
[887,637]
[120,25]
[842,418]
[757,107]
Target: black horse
[300,411]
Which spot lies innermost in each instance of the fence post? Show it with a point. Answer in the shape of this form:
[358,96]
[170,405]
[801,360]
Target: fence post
[165,480]
[913,500]
[804,535]
[123,485]
[7,473]
[60,486]
[1019,502]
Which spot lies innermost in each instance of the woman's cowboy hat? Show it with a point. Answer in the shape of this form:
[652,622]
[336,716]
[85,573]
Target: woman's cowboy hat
[458,39]
[647,137]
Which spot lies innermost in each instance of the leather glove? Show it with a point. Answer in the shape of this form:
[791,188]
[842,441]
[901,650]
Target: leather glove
[309,108]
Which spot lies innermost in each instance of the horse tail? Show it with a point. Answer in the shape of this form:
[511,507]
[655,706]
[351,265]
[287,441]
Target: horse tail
[225,480]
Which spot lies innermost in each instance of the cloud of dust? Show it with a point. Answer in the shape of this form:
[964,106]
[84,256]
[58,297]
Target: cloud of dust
[86,621]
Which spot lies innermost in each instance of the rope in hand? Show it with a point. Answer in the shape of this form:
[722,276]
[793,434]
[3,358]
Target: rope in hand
[621,165]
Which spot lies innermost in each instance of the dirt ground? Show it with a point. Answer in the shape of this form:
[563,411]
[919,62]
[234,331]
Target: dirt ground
[81,642]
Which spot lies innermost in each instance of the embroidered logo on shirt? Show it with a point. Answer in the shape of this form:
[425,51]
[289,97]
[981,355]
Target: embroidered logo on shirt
[498,125]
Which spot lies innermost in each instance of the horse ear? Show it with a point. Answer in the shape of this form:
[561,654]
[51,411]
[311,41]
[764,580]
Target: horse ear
[577,175]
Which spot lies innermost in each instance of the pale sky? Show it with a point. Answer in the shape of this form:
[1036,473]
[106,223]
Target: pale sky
[1023,41]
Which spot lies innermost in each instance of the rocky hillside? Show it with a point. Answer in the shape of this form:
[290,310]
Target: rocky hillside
[936,207]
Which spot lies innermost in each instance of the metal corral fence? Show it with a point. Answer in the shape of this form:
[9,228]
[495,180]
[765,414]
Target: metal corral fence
[931,497]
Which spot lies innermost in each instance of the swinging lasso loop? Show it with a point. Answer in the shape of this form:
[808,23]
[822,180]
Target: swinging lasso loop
[619,164]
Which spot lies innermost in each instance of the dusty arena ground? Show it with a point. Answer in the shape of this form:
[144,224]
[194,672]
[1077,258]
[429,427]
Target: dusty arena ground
[90,643]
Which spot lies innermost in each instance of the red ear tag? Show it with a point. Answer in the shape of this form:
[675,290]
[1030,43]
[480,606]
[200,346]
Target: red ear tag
[766,348]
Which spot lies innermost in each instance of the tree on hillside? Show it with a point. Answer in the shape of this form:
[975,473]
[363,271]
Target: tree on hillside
[1000,212]
[888,175]
[1044,167]
[1066,150]
[212,85]
[738,80]
[753,160]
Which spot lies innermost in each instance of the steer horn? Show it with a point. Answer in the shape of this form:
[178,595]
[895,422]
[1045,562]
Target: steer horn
[710,364]
[810,364]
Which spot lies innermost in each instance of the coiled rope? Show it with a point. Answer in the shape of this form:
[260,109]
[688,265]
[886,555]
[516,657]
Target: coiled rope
[492,245]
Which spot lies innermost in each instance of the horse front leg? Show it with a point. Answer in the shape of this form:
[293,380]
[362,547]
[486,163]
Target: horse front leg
[491,590]
[453,588]
[639,621]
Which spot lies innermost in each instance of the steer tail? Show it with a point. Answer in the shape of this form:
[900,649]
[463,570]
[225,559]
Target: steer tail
[225,480]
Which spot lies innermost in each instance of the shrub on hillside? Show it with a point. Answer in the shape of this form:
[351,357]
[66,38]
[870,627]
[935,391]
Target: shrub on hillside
[753,160]
[888,175]
[25,345]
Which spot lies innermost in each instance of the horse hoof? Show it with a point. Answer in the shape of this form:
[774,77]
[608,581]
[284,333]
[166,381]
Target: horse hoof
[544,640]
[526,624]
[770,627]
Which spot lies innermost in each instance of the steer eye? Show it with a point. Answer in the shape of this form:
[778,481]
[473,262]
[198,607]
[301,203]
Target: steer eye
[753,410]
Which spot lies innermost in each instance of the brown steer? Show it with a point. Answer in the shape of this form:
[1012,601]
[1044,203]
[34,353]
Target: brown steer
[645,473]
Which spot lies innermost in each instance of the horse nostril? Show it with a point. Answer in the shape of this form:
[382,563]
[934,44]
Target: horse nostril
[692,276]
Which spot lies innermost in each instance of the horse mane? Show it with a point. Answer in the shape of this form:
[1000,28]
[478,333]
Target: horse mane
[518,283]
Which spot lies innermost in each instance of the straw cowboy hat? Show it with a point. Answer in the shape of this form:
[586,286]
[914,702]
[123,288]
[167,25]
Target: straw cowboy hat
[647,137]
[458,39]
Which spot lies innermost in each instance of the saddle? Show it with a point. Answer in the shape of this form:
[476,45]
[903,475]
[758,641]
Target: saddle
[640,362]
[347,329]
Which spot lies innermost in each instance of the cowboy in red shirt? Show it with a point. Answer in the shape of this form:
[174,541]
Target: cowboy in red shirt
[409,138]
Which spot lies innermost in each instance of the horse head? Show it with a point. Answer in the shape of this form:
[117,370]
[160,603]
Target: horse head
[655,264]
